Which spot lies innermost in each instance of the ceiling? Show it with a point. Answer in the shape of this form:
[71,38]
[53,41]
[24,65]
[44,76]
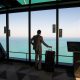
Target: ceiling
[12,6]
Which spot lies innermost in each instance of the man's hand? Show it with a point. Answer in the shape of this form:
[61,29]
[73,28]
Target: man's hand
[50,46]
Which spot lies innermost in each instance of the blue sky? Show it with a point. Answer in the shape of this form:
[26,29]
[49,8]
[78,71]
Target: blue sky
[69,21]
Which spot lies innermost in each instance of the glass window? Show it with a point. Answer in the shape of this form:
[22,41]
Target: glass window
[23,2]
[19,35]
[40,1]
[70,24]
[43,20]
[2,34]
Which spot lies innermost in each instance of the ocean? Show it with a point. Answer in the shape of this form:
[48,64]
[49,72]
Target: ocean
[18,48]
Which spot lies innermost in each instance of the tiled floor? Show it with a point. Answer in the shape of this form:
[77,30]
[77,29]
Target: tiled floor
[20,71]
[77,73]
[77,78]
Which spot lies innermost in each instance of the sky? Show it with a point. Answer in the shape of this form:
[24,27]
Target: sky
[69,22]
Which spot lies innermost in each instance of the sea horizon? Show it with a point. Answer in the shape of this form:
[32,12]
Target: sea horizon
[18,48]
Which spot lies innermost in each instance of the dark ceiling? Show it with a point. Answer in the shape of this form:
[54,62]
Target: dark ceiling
[10,3]
[12,6]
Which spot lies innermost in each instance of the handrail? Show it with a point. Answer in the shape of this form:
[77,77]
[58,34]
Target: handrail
[64,56]
[18,52]
[42,54]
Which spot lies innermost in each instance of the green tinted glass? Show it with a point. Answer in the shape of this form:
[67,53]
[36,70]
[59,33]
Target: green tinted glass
[23,2]
[40,1]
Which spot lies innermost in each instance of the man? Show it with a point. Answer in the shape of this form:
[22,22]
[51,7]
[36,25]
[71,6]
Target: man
[37,41]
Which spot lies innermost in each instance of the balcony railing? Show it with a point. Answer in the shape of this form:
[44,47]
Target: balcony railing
[33,54]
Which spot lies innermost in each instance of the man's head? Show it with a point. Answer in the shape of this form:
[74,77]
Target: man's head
[39,32]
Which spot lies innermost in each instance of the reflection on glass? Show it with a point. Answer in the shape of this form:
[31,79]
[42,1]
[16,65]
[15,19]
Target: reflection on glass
[23,2]
[40,1]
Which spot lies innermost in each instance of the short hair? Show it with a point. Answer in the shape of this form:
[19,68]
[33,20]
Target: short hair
[38,31]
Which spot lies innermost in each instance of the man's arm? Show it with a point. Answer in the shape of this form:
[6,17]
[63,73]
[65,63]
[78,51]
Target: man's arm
[32,40]
[46,44]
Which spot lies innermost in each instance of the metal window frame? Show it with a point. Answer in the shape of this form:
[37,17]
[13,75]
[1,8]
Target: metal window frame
[29,7]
